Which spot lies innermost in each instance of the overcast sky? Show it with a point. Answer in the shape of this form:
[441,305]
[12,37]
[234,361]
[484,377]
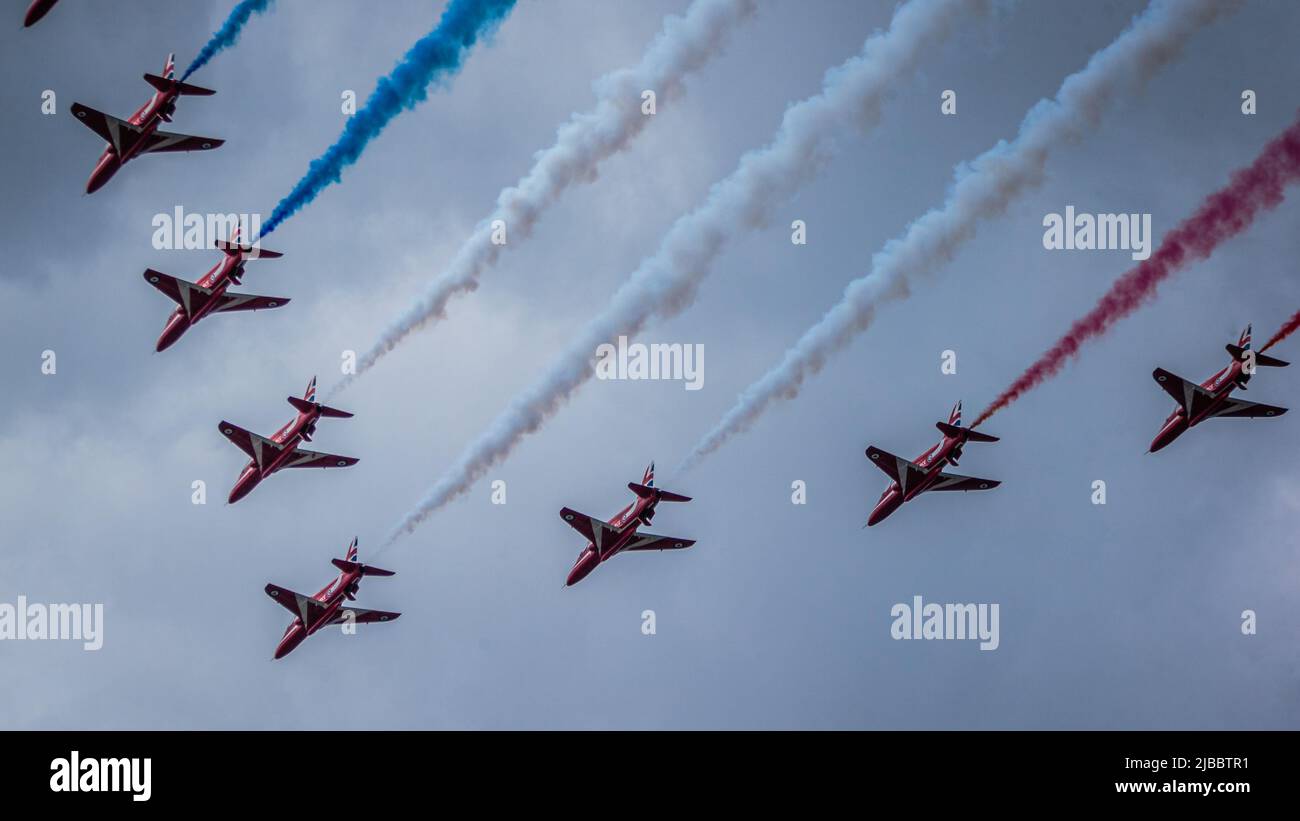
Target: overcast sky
[1122,615]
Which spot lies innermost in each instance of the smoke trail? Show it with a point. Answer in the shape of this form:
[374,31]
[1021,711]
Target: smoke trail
[434,58]
[1225,214]
[665,283]
[684,46]
[228,34]
[1282,333]
[980,190]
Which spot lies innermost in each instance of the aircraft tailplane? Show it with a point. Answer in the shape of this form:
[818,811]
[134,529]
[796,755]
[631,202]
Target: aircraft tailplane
[325,410]
[234,249]
[1261,360]
[646,492]
[971,435]
[363,569]
[164,85]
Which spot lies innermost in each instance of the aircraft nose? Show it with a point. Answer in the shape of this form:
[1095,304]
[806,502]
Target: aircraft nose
[292,638]
[38,10]
[585,564]
[888,502]
[240,490]
[1171,430]
[171,333]
[103,172]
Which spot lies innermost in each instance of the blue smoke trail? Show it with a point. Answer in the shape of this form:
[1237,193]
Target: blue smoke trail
[228,34]
[437,56]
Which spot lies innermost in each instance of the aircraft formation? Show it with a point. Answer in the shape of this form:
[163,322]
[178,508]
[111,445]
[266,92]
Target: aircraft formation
[138,135]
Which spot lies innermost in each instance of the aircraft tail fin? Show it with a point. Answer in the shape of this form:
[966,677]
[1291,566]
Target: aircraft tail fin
[953,427]
[1261,360]
[971,435]
[352,564]
[165,84]
[647,492]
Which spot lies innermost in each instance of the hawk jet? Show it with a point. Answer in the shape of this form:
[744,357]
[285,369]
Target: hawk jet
[911,479]
[1213,397]
[607,539]
[311,613]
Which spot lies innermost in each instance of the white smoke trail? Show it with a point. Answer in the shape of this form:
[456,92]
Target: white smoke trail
[665,283]
[981,190]
[685,45]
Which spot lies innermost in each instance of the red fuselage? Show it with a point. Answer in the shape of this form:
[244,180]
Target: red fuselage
[1220,386]
[948,451]
[331,597]
[222,275]
[626,524]
[300,429]
[159,108]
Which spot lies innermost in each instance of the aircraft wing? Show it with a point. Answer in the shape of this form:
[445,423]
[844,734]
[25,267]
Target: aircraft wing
[951,481]
[1191,397]
[177,290]
[248,302]
[310,459]
[360,616]
[118,133]
[903,471]
[649,541]
[598,532]
[259,448]
[1241,409]
[163,141]
[304,607]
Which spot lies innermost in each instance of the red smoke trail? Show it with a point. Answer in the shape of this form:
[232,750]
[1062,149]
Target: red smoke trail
[1223,215]
[1283,332]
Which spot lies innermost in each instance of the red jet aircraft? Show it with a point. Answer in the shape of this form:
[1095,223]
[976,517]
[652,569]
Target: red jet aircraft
[1211,398]
[911,479]
[606,539]
[195,300]
[37,10]
[326,607]
[281,450]
[128,139]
